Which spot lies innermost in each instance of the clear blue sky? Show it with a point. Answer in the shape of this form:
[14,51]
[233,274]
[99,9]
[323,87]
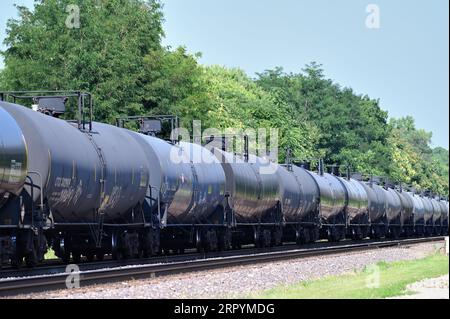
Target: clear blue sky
[405,63]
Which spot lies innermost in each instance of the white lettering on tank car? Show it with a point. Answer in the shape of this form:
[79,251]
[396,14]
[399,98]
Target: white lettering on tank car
[67,196]
[15,172]
[63,182]
[112,200]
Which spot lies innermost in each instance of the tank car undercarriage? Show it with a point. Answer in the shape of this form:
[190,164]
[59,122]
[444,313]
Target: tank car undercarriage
[28,242]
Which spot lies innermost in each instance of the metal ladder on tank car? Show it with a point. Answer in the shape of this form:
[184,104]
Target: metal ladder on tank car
[98,232]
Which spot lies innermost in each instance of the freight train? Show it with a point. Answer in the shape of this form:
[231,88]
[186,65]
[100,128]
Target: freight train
[88,189]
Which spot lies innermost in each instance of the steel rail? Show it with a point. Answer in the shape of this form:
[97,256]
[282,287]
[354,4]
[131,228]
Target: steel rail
[24,285]
[55,266]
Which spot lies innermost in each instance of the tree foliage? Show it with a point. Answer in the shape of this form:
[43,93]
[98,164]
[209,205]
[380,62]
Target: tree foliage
[117,55]
[229,98]
[414,161]
[353,128]
[104,55]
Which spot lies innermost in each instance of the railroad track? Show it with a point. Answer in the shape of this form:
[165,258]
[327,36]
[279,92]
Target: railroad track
[52,278]
[57,266]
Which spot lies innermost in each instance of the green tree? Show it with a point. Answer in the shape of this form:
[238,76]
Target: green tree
[353,128]
[414,161]
[104,55]
[229,98]
[441,164]
[170,78]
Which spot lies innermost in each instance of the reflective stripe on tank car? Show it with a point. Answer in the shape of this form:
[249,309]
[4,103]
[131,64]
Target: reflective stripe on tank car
[15,172]
[144,178]
[74,169]
[49,168]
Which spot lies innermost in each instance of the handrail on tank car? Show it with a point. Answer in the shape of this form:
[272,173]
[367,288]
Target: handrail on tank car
[81,120]
[173,120]
[303,162]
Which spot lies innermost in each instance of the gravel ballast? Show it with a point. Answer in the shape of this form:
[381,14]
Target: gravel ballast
[240,281]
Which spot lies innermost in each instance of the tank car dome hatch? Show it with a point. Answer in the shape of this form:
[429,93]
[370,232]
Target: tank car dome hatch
[150,127]
[53,106]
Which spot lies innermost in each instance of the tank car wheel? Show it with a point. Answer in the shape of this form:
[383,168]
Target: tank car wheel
[100,256]
[236,242]
[211,242]
[115,246]
[437,230]
[395,232]
[63,250]
[314,234]
[90,257]
[353,233]
[31,259]
[420,231]
[306,236]
[257,238]
[336,234]
[356,233]
[378,232]
[76,257]
[383,232]
[117,255]
[298,237]
[365,232]
[225,240]
[333,234]
[199,241]
[147,245]
[277,237]
[150,243]
[266,238]
[17,256]
[16,260]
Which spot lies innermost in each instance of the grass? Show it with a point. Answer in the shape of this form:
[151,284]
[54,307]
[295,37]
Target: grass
[393,280]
